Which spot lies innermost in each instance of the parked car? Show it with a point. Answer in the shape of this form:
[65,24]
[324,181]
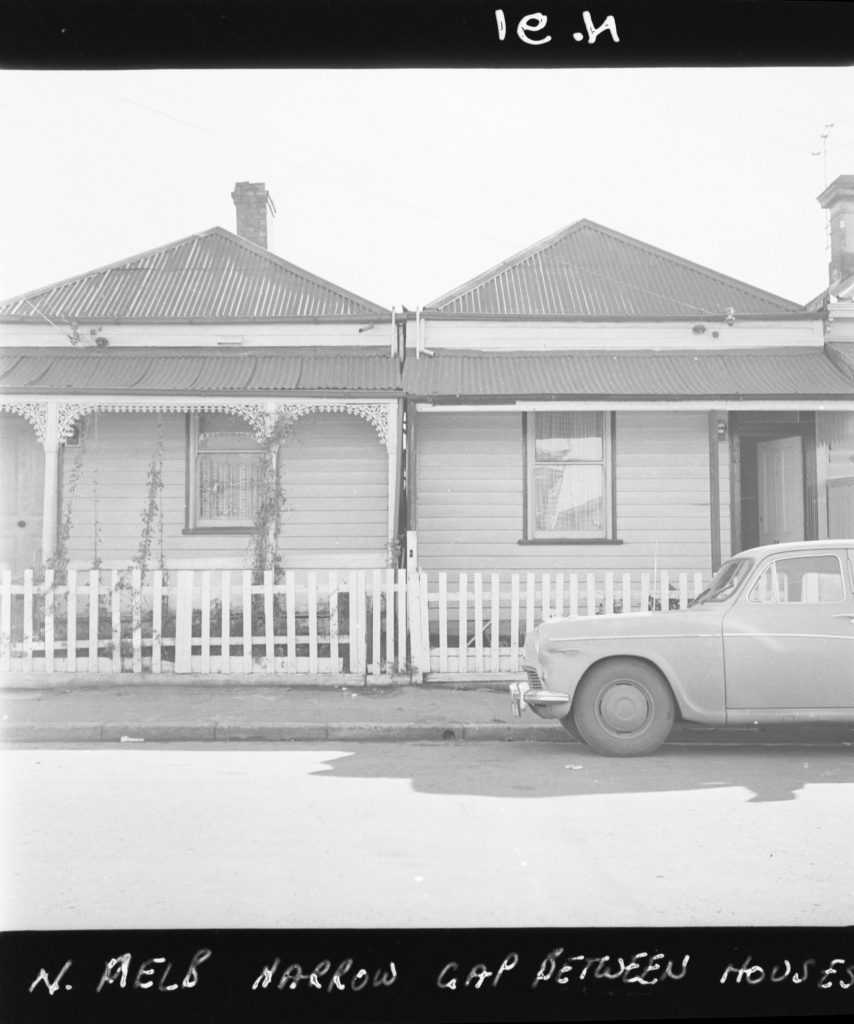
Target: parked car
[771,640]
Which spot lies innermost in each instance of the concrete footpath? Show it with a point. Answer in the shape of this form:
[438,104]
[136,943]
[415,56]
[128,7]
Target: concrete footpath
[90,710]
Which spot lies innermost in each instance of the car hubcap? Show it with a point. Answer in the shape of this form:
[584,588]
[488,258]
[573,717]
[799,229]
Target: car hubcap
[624,708]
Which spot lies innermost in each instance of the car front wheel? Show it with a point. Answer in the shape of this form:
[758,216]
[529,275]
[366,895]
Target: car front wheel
[624,708]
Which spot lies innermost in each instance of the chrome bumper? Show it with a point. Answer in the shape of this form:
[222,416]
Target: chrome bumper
[521,695]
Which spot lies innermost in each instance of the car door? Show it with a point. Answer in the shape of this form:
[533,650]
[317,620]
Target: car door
[789,637]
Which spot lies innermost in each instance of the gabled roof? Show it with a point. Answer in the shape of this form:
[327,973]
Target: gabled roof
[590,270]
[212,275]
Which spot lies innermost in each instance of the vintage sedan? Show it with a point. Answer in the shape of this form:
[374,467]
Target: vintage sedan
[771,640]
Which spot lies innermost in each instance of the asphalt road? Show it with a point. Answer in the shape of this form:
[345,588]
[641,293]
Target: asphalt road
[430,834]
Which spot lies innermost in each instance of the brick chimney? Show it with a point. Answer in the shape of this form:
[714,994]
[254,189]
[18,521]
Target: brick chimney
[253,202]
[838,200]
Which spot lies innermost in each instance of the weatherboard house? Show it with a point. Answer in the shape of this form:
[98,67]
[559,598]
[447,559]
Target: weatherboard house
[181,427]
[216,462]
[595,412]
[184,362]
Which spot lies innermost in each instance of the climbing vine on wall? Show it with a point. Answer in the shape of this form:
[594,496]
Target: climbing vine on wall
[59,561]
[271,502]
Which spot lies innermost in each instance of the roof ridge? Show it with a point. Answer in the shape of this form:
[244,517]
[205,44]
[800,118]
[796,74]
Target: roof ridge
[369,307]
[543,246]
[691,264]
[515,259]
[280,261]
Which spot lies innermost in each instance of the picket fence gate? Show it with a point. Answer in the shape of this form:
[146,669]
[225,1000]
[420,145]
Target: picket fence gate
[320,625]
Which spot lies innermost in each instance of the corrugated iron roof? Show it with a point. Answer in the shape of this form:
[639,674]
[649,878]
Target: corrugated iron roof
[213,275]
[786,373]
[590,270]
[842,359]
[196,370]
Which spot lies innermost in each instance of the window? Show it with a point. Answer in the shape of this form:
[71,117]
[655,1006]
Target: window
[569,475]
[816,579]
[226,471]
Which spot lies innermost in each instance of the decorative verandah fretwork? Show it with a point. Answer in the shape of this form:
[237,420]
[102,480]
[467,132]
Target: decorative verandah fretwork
[53,421]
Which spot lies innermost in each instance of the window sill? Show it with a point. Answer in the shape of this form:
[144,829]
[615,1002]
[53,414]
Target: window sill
[564,541]
[243,531]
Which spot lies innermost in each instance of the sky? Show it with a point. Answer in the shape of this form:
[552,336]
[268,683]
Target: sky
[401,184]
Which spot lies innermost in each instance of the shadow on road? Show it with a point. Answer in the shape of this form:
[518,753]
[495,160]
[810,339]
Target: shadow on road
[529,770]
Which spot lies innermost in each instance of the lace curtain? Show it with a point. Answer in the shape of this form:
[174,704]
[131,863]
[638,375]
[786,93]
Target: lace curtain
[569,473]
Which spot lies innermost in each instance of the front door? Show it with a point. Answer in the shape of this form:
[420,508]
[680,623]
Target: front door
[21,495]
[780,471]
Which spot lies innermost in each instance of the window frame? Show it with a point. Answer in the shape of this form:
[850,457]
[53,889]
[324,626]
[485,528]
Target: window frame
[193,523]
[608,463]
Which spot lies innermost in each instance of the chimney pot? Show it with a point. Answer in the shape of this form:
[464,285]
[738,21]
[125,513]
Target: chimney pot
[838,200]
[253,203]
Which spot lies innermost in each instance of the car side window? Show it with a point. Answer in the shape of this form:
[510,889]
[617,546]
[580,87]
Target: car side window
[809,579]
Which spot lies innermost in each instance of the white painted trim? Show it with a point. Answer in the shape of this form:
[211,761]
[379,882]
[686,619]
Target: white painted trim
[521,335]
[616,405]
[261,413]
[392,446]
[50,442]
[211,335]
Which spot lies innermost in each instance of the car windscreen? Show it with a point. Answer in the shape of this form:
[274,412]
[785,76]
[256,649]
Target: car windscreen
[726,581]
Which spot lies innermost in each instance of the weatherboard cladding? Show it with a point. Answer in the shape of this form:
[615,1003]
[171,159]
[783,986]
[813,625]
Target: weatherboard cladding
[590,270]
[196,370]
[591,374]
[214,275]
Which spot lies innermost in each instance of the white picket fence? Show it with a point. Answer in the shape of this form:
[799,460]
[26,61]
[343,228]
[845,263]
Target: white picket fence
[324,625]
[310,623]
[473,624]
